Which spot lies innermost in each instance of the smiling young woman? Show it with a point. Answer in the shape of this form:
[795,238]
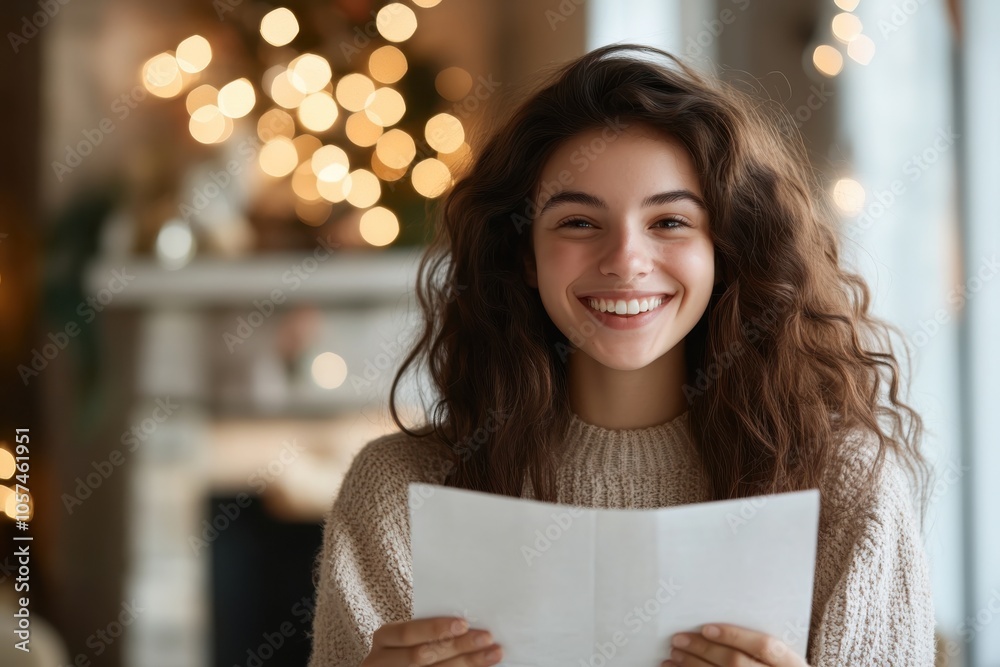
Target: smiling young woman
[671,326]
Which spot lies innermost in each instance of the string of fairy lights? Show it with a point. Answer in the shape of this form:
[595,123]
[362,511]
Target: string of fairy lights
[304,99]
[848,194]
[8,496]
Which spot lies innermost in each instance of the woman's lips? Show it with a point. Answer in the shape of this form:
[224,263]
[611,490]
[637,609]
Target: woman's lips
[625,322]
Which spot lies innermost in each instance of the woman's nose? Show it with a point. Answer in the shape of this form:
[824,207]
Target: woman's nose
[627,254]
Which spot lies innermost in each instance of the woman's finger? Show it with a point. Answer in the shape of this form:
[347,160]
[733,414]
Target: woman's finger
[419,631]
[679,658]
[720,638]
[462,651]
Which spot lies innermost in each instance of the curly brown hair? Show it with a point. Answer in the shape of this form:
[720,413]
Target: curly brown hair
[786,360]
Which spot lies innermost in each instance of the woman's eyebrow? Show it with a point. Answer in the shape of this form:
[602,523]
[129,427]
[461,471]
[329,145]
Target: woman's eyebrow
[577,197]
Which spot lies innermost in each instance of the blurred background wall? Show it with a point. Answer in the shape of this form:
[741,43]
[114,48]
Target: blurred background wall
[209,228]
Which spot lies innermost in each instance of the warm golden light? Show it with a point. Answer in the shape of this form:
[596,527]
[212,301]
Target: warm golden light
[161,75]
[379,226]
[305,146]
[849,196]
[457,160]
[7,467]
[384,172]
[361,130]
[201,96]
[275,123]
[318,112]
[279,26]
[329,370]
[847,5]
[208,124]
[365,188]
[846,27]
[430,177]
[278,157]
[330,163]
[353,91]
[385,107]
[237,98]
[828,60]
[309,73]
[387,64]
[453,83]
[396,22]
[396,149]
[304,182]
[313,213]
[426,4]
[194,54]
[334,191]
[6,495]
[8,501]
[284,93]
[444,133]
[861,50]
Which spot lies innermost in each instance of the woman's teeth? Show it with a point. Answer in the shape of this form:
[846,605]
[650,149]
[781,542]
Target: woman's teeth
[622,307]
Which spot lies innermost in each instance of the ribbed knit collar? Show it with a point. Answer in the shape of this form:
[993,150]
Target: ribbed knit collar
[596,447]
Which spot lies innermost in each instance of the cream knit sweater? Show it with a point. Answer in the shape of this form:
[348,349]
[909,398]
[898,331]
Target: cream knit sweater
[871,599]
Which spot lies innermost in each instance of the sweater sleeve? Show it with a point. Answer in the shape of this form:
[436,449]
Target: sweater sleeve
[873,592]
[363,574]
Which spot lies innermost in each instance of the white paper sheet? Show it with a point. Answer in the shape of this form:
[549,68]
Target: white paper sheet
[559,585]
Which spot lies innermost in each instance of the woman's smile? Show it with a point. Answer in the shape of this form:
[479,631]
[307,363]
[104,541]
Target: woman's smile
[623,315]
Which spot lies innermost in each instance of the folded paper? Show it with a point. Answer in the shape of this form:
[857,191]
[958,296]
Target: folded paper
[561,585]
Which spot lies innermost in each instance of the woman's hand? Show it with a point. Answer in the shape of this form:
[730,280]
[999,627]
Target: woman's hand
[722,645]
[444,641]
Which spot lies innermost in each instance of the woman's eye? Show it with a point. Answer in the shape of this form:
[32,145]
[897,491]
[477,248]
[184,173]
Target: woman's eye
[676,222]
[571,221]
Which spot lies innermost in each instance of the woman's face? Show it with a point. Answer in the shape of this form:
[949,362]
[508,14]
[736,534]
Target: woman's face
[621,219]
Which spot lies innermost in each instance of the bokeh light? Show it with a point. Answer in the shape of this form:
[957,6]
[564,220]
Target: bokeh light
[279,26]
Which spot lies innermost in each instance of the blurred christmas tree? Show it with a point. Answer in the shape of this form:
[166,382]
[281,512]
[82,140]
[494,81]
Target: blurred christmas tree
[318,113]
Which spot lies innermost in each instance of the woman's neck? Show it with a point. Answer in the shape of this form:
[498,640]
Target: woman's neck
[625,399]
